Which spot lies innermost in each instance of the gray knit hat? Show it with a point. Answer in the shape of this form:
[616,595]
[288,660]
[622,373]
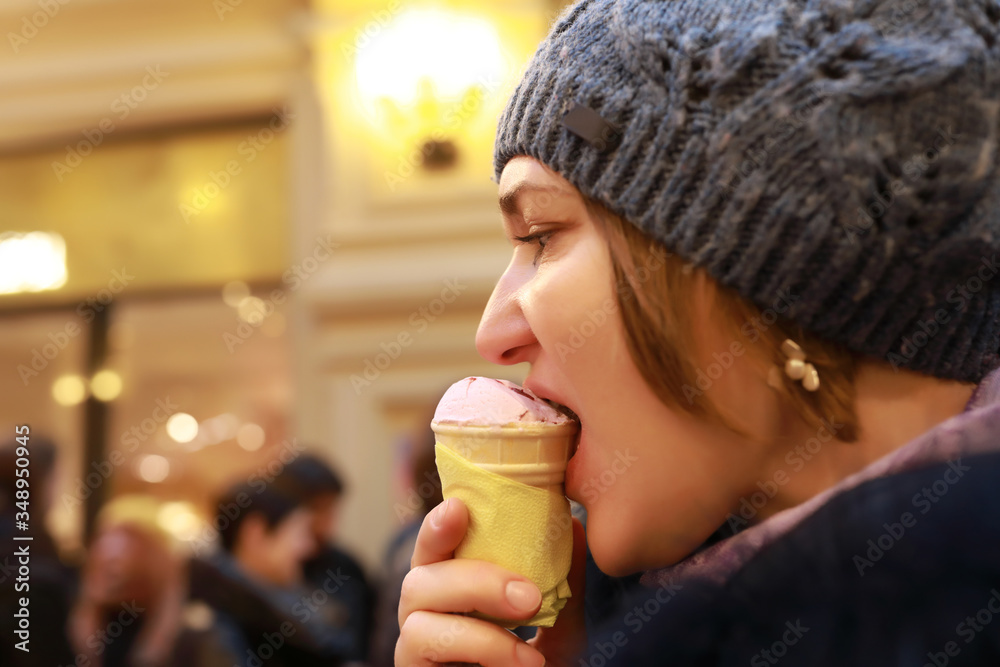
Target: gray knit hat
[843,150]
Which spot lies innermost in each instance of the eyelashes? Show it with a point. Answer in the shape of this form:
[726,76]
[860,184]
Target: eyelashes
[541,238]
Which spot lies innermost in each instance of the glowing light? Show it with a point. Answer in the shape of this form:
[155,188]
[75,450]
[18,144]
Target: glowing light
[250,437]
[106,385]
[180,519]
[153,468]
[69,390]
[182,427]
[218,428]
[449,52]
[251,310]
[31,262]
[234,292]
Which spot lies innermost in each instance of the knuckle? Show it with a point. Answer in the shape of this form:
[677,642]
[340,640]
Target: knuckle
[412,583]
[413,627]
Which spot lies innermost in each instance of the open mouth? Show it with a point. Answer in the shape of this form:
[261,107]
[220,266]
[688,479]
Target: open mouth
[572,415]
[563,409]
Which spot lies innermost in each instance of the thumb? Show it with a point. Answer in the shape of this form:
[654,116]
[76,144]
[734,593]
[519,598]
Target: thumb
[567,639]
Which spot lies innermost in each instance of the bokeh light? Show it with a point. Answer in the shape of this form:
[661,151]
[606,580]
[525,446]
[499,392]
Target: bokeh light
[182,427]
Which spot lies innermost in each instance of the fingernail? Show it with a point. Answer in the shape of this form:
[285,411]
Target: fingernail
[522,595]
[440,512]
[529,657]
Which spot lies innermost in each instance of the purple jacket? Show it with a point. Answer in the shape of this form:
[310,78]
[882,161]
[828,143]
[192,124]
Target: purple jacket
[899,564]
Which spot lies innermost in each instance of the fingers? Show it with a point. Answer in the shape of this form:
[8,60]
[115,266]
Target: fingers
[440,533]
[468,585]
[428,638]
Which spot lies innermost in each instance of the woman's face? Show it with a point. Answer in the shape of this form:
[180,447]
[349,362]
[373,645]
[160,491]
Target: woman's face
[655,481]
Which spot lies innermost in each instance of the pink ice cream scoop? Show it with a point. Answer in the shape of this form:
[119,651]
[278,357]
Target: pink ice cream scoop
[484,401]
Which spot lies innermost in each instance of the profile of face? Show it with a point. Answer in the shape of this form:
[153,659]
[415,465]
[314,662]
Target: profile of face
[276,553]
[655,480]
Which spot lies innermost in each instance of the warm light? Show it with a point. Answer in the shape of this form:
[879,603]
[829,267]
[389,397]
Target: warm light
[250,437]
[69,390]
[106,385]
[154,468]
[31,262]
[218,428]
[234,292]
[448,52]
[180,520]
[251,310]
[182,427]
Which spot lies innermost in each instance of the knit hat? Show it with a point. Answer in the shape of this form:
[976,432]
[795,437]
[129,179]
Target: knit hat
[842,150]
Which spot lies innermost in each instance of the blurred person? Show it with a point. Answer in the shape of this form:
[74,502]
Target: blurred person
[348,608]
[132,609]
[425,494]
[754,250]
[52,584]
[255,582]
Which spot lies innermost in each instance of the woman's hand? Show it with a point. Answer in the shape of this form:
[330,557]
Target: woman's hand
[439,587]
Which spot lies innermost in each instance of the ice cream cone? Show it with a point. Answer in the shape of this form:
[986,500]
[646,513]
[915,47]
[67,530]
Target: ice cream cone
[533,454]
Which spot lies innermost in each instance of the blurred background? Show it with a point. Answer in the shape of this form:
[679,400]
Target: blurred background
[235,230]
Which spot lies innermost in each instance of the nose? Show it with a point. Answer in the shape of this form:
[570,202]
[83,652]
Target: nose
[504,336]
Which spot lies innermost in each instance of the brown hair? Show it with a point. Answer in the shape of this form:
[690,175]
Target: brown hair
[655,291]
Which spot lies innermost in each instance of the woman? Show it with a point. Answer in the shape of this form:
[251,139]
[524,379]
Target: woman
[754,251]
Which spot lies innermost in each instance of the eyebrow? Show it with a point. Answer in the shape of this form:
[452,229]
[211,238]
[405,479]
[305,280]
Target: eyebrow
[509,200]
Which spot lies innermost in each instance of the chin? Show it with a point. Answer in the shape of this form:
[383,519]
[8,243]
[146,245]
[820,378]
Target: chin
[611,554]
[620,554]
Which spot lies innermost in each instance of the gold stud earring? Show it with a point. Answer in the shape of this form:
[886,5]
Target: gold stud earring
[796,366]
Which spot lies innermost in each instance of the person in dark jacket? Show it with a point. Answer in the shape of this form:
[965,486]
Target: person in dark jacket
[755,250]
[255,585]
[51,584]
[342,595]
